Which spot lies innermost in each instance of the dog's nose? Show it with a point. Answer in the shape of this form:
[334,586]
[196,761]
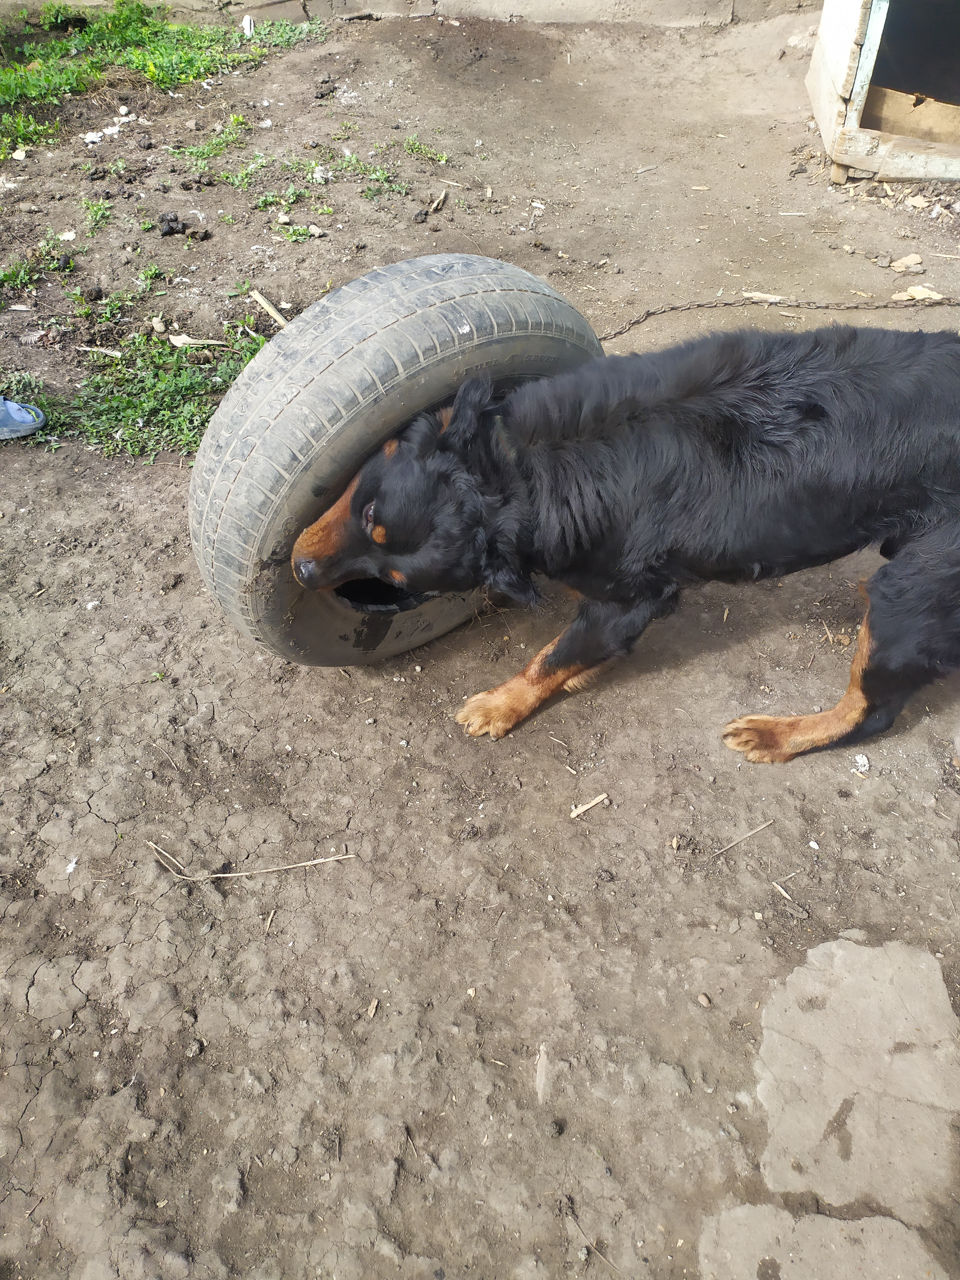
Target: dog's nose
[306,572]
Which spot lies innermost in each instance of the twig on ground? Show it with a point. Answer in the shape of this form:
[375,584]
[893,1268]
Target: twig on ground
[168,755]
[579,809]
[740,839]
[268,307]
[591,1246]
[166,859]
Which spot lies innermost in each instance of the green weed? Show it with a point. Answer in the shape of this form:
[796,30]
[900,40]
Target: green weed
[242,179]
[229,136]
[19,130]
[293,233]
[23,273]
[25,388]
[98,213]
[285,199]
[383,181]
[414,147]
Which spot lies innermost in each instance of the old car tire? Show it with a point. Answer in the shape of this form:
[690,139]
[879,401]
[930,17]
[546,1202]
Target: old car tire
[339,380]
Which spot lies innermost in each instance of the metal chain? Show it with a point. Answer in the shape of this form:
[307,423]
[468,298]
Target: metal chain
[783,302]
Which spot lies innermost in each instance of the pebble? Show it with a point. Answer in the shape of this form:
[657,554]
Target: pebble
[704,1000]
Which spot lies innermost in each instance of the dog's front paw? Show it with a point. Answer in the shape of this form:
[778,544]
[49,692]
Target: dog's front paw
[494,712]
[762,739]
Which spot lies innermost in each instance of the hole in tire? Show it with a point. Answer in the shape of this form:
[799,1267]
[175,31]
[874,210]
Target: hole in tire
[369,595]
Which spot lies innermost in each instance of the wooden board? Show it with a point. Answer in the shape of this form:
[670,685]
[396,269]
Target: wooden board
[888,111]
[843,26]
[886,155]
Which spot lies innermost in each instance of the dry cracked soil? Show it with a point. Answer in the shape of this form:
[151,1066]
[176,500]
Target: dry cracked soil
[706,1029]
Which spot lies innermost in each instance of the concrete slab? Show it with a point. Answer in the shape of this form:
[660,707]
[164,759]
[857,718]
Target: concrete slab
[859,1071]
[756,1242]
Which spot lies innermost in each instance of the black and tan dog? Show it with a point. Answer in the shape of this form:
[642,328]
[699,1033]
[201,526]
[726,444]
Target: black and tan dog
[734,457]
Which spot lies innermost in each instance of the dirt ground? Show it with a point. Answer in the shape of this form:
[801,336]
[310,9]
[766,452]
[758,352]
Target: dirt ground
[493,1040]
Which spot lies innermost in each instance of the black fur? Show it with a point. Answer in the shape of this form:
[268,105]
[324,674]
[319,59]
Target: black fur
[737,456]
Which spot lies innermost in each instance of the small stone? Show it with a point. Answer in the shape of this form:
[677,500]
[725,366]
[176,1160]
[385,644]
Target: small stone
[704,1000]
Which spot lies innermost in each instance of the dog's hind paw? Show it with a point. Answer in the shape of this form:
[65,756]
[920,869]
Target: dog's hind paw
[494,712]
[762,739]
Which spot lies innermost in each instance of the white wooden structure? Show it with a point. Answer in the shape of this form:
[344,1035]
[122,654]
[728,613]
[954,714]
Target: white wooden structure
[870,130]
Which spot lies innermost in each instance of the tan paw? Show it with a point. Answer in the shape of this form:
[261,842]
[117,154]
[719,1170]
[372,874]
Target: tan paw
[762,739]
[494,712]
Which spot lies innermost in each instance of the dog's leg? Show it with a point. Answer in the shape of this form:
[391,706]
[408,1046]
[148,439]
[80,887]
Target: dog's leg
[911,635]
[599,632]
[775,739]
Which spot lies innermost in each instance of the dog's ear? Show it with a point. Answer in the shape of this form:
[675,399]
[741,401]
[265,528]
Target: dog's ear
[475,396]
[422,434]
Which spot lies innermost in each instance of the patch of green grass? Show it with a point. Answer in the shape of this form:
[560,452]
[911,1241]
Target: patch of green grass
[374,190]
[286,199]
[111,308]
[23,273]
[153,397]
[133,35]
[26,388]
[97,212]
[231,133]
[347,127]
[242,179]
[20,130]
[293,233]
[382,182]
[19,274]
[414,147]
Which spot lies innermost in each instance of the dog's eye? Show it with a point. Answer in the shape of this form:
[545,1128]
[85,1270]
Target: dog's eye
[367,517]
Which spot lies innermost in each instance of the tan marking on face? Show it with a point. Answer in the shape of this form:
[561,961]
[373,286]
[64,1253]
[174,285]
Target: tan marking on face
[325,536]
[390,448]
[776,739]
[498,710]
[445,414]
[379,534]
[398,577]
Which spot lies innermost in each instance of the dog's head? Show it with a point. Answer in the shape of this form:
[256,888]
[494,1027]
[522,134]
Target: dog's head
[421,514]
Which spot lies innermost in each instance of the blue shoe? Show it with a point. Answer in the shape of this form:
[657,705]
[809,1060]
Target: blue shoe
[18,420]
